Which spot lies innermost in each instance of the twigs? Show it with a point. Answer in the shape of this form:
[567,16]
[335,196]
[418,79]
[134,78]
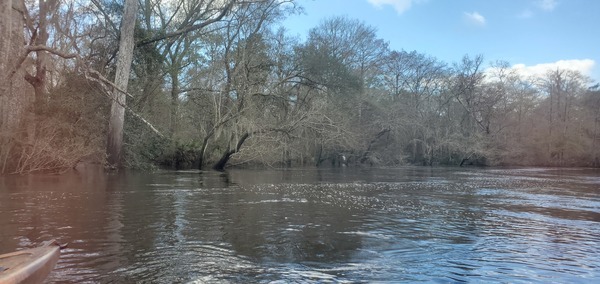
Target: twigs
[105,83]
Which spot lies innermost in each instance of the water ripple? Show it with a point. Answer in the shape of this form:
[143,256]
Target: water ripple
[305,226]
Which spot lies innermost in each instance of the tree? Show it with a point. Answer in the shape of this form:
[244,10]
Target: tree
[346,57]
[356,46]
[196,15]
[413,81]
[591,127]
[514,117]
[116,121]
[563,88]
[230,89]
[15,96]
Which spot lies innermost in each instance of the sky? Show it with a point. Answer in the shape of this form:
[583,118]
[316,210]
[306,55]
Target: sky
[531,35]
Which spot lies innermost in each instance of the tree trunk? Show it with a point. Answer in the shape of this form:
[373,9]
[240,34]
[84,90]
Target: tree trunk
[15,94]
[365,155]
[319,156]
[38,81]
[174,101]
[203,150]
[114,145]
[220,165]
[595,140]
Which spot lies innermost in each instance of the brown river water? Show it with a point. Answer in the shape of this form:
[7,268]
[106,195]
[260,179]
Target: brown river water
[339,225]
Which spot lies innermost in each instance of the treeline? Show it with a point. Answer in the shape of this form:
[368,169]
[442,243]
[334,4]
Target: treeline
[216,83]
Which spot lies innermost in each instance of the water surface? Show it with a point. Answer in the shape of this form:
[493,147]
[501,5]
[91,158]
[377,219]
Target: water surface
[312,225]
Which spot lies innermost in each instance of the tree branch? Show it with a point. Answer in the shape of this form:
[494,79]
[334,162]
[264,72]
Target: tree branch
[190,28]
[32,48]
[103,82]
[106,16]
[101,79]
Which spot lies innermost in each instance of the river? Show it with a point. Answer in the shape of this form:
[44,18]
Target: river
[340,225]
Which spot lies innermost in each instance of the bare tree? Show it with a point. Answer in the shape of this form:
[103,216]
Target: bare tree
[563,88]
[413,80]
[591,101]
[114,145]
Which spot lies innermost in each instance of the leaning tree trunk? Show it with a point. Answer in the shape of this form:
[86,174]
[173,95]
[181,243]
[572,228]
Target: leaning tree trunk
[114,145]
[365,155]
[203,149]
[220,165]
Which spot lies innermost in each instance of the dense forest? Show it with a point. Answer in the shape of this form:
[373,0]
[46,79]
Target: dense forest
[216,83]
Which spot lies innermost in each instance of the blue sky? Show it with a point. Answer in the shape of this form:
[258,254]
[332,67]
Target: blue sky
[531,35]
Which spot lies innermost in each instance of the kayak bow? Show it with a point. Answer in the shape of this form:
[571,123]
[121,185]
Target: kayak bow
[29,265]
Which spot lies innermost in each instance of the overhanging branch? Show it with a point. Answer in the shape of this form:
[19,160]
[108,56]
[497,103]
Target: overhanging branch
[32,48]
[104,82]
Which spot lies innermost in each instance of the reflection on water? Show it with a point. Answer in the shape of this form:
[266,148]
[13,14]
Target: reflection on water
[311,225]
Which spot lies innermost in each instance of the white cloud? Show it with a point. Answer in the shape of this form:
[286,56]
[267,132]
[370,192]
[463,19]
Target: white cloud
[584,66]
[475,18]
[526,14]
[399,5]
[547,5]
[544,5]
